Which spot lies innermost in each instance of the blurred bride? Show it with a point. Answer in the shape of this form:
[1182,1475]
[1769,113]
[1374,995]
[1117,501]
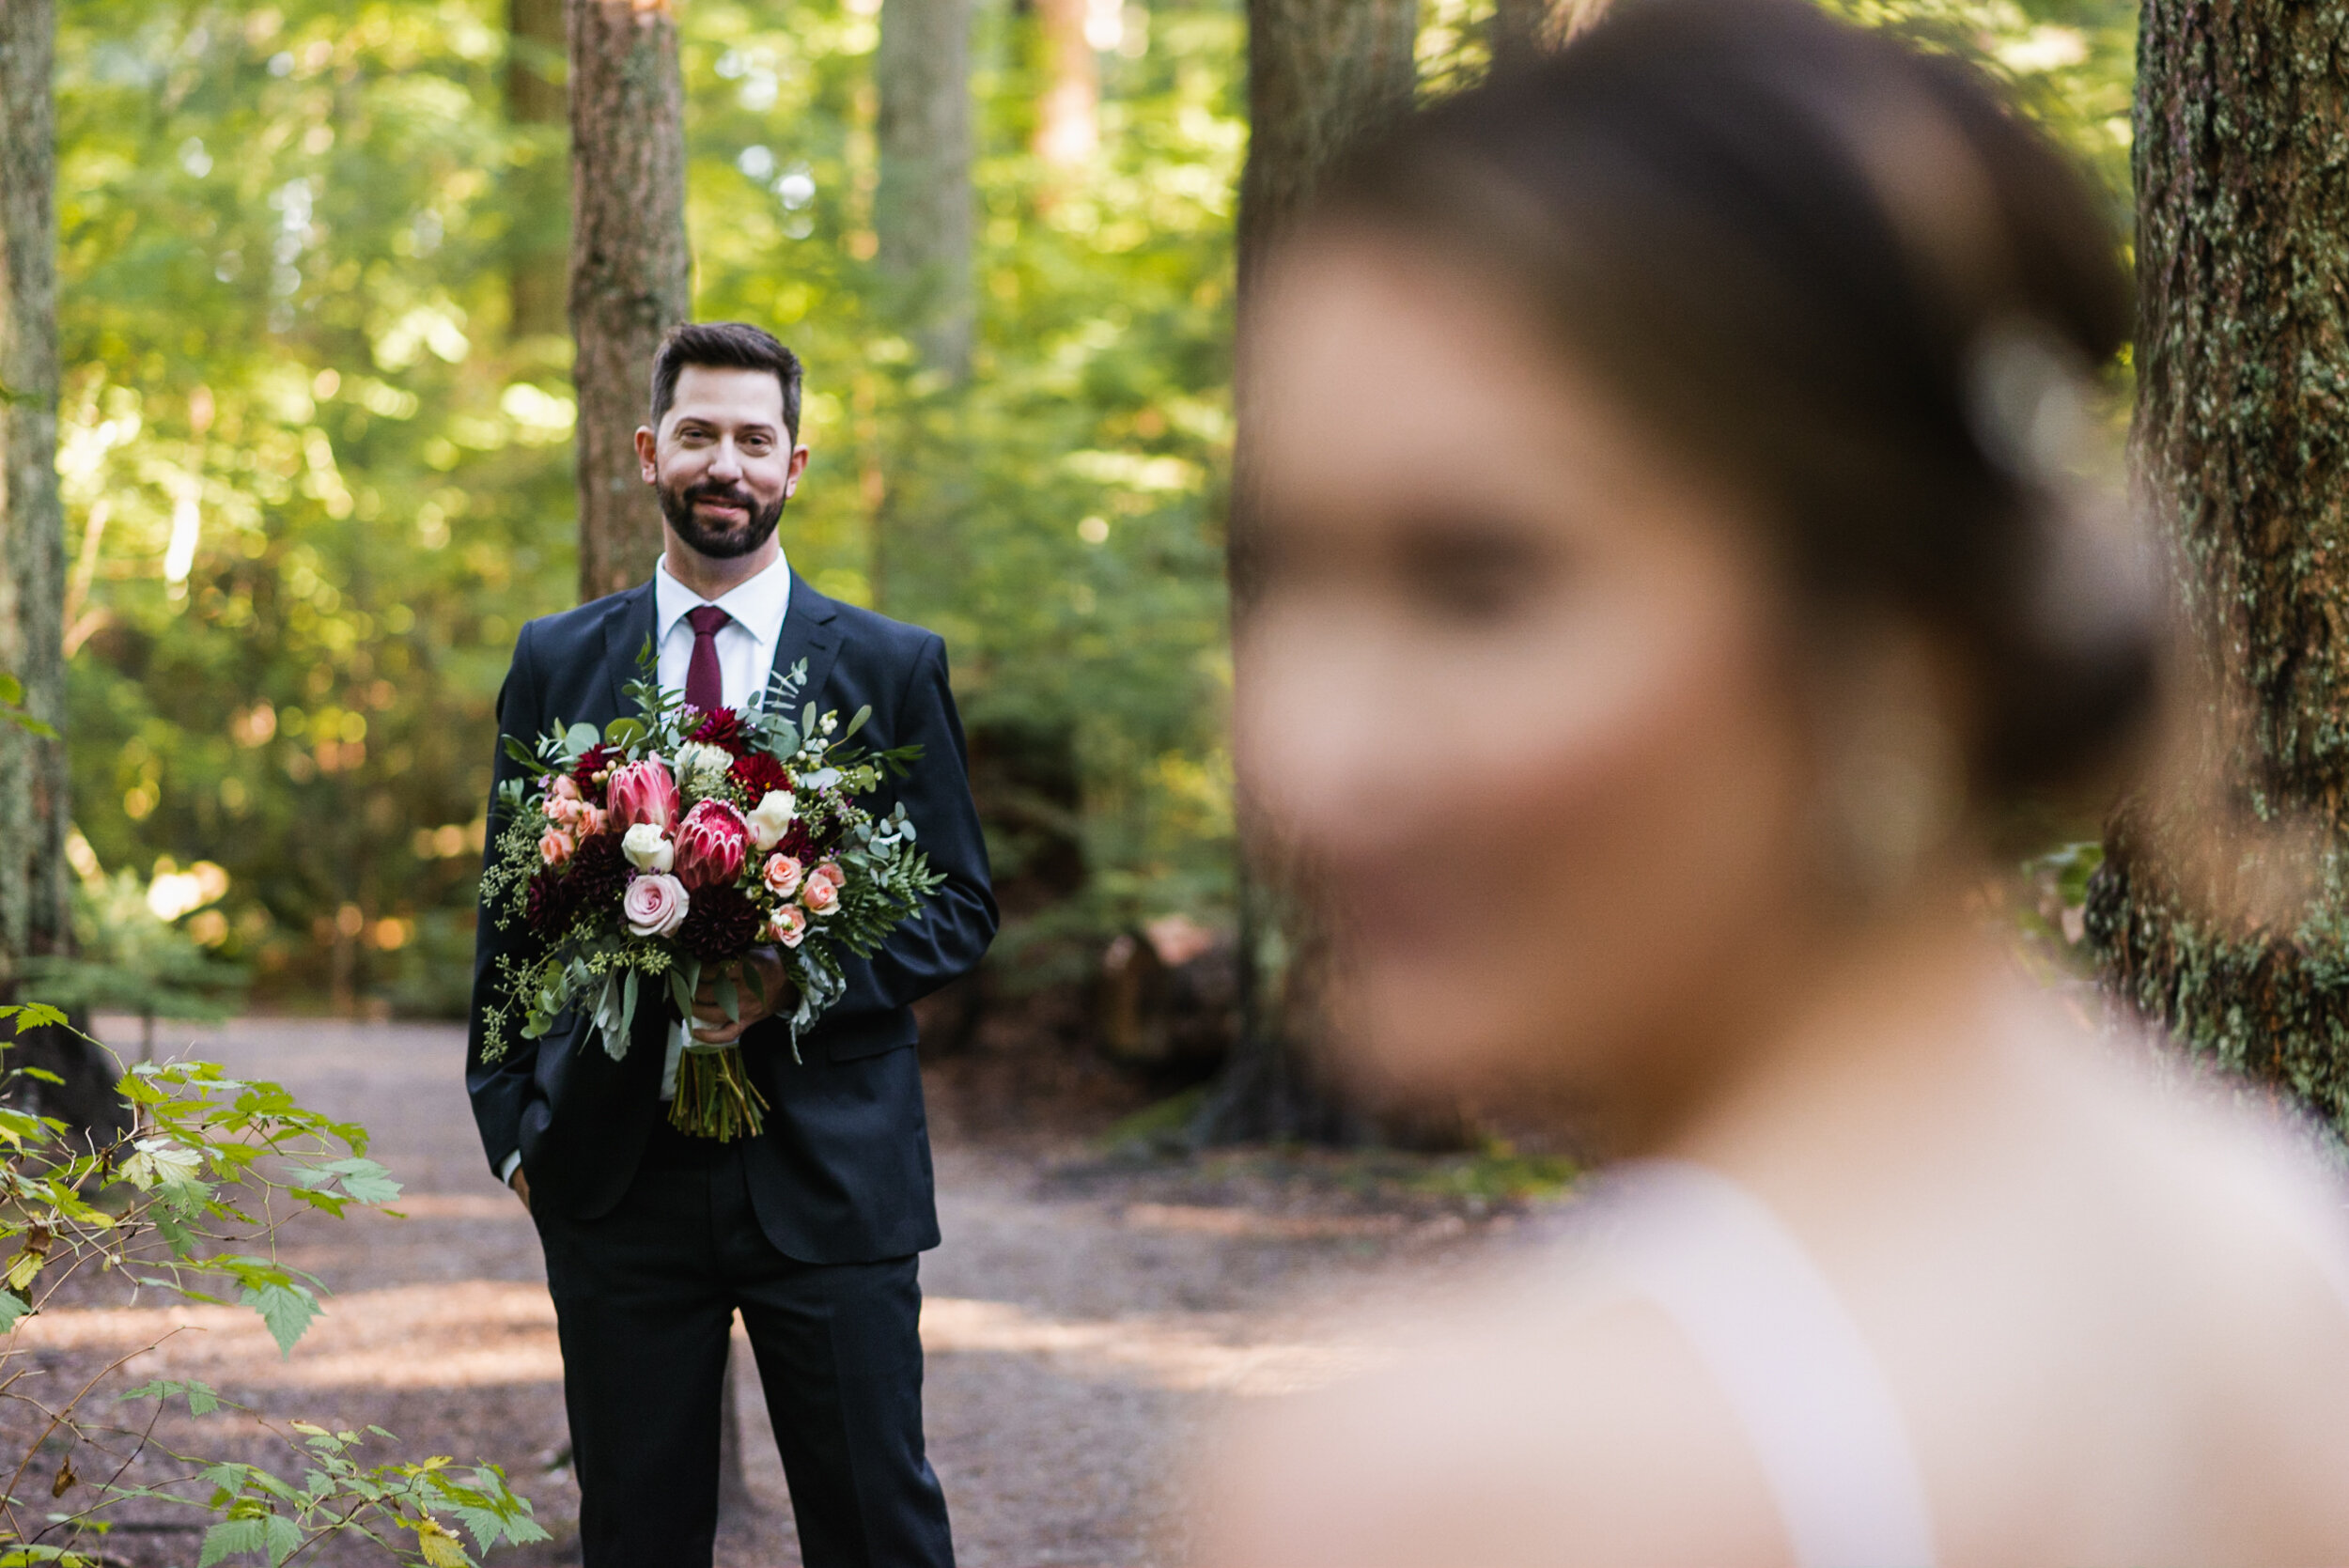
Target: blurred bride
[1671,561]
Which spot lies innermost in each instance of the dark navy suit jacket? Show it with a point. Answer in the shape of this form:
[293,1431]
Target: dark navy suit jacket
[842,1172]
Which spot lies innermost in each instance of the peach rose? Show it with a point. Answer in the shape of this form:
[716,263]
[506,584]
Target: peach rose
[787,926]
[782,875]
[829,871]
[555,847]
[564,788]
[821,896]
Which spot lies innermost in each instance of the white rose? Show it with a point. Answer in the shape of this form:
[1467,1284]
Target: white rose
[647,848]
[770,818]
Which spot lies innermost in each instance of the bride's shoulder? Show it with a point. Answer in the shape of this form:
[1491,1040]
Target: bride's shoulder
[1546,1414]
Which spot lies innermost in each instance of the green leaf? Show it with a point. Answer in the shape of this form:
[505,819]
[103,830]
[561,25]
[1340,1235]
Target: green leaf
[580,738]
[289,1310]
[202,1399]
[38,1014]
[12,1307]
[233,1537]
[855,725]
[624,732]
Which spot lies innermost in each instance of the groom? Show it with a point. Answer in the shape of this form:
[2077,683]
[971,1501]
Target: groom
[654,1239]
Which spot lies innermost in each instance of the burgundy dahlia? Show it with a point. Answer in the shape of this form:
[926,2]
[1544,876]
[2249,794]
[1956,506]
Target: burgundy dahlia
[722,726]
[550,905]
[594,760]
[721,925]
[755,773]
[598,872]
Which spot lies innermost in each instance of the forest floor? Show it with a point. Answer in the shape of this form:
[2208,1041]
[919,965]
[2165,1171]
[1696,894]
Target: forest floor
[1088,1318]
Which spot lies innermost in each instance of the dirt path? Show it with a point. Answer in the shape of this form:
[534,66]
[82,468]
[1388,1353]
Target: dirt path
[1083,1323]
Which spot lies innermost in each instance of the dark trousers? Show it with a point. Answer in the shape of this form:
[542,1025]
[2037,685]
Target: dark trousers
[645,1300]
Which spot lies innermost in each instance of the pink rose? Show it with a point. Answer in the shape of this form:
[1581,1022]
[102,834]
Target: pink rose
[782,875]
[564,787]
[591,821]
[555,847]
[821,896]
[643,792]
[711,845]
[654,906]
[829,871]
[787,926]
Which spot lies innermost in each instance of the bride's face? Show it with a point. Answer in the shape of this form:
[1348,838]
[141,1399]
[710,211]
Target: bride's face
[1515,689]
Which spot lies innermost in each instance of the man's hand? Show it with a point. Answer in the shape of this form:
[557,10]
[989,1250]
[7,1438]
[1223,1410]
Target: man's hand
[755,998]
[521,1183]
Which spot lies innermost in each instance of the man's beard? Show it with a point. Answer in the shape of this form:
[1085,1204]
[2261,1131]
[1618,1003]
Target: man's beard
[708,538]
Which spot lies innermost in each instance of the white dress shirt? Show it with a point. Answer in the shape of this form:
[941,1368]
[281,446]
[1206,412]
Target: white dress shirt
[746,655]
[746,644]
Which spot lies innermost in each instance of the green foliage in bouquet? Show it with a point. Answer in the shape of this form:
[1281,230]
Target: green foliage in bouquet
[772,788]
[189,1202]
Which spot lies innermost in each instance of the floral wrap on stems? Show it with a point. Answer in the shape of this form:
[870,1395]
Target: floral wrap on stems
[667,846]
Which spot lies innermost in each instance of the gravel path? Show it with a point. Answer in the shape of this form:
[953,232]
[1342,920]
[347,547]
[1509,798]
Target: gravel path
[1084,1322]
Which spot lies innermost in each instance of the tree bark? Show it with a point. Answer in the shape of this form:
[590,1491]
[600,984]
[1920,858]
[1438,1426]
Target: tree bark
[2219,911]
[1321,74]
[35,799]
[632,273]
[923,212]
[1068,112]
[538,194]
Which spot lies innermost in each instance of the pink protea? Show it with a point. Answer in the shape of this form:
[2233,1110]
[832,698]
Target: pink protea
[711,844]
[643,792]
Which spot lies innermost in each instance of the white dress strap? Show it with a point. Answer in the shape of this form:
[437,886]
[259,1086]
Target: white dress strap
[1784,1352]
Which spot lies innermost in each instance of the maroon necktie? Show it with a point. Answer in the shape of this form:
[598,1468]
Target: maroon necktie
[705,687]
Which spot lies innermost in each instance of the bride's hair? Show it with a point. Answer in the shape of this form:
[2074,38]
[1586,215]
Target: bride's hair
[1839,270]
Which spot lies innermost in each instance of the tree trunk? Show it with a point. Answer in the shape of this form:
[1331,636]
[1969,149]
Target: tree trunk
[34,802]
[923,213]
[2219,911]
[1320,73]
[1068,113]
[1523,30]
[631,275]
[537,195]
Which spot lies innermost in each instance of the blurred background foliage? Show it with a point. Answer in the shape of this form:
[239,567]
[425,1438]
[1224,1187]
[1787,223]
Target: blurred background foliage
[317,474]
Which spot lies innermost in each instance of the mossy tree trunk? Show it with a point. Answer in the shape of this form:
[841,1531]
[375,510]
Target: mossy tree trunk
[2220,910]
[631,273]
[35,803]
[1321,74]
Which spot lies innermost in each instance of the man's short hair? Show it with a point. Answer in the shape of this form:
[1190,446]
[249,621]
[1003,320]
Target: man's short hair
[724,346]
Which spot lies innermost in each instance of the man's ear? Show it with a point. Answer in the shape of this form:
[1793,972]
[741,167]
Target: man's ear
[647,449]
[798,466]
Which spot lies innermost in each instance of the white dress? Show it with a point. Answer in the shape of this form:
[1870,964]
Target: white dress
[1780,1345]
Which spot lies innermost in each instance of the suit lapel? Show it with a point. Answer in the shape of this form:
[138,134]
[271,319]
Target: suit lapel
[810,632]
[626,630]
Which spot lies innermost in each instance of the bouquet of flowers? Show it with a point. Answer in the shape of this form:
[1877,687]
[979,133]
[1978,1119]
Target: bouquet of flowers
[668,846]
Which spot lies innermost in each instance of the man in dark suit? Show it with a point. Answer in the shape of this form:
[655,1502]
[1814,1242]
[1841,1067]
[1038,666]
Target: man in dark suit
[654,1239]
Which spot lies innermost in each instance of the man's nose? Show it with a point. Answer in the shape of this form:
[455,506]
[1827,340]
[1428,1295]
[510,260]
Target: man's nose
[725,462]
